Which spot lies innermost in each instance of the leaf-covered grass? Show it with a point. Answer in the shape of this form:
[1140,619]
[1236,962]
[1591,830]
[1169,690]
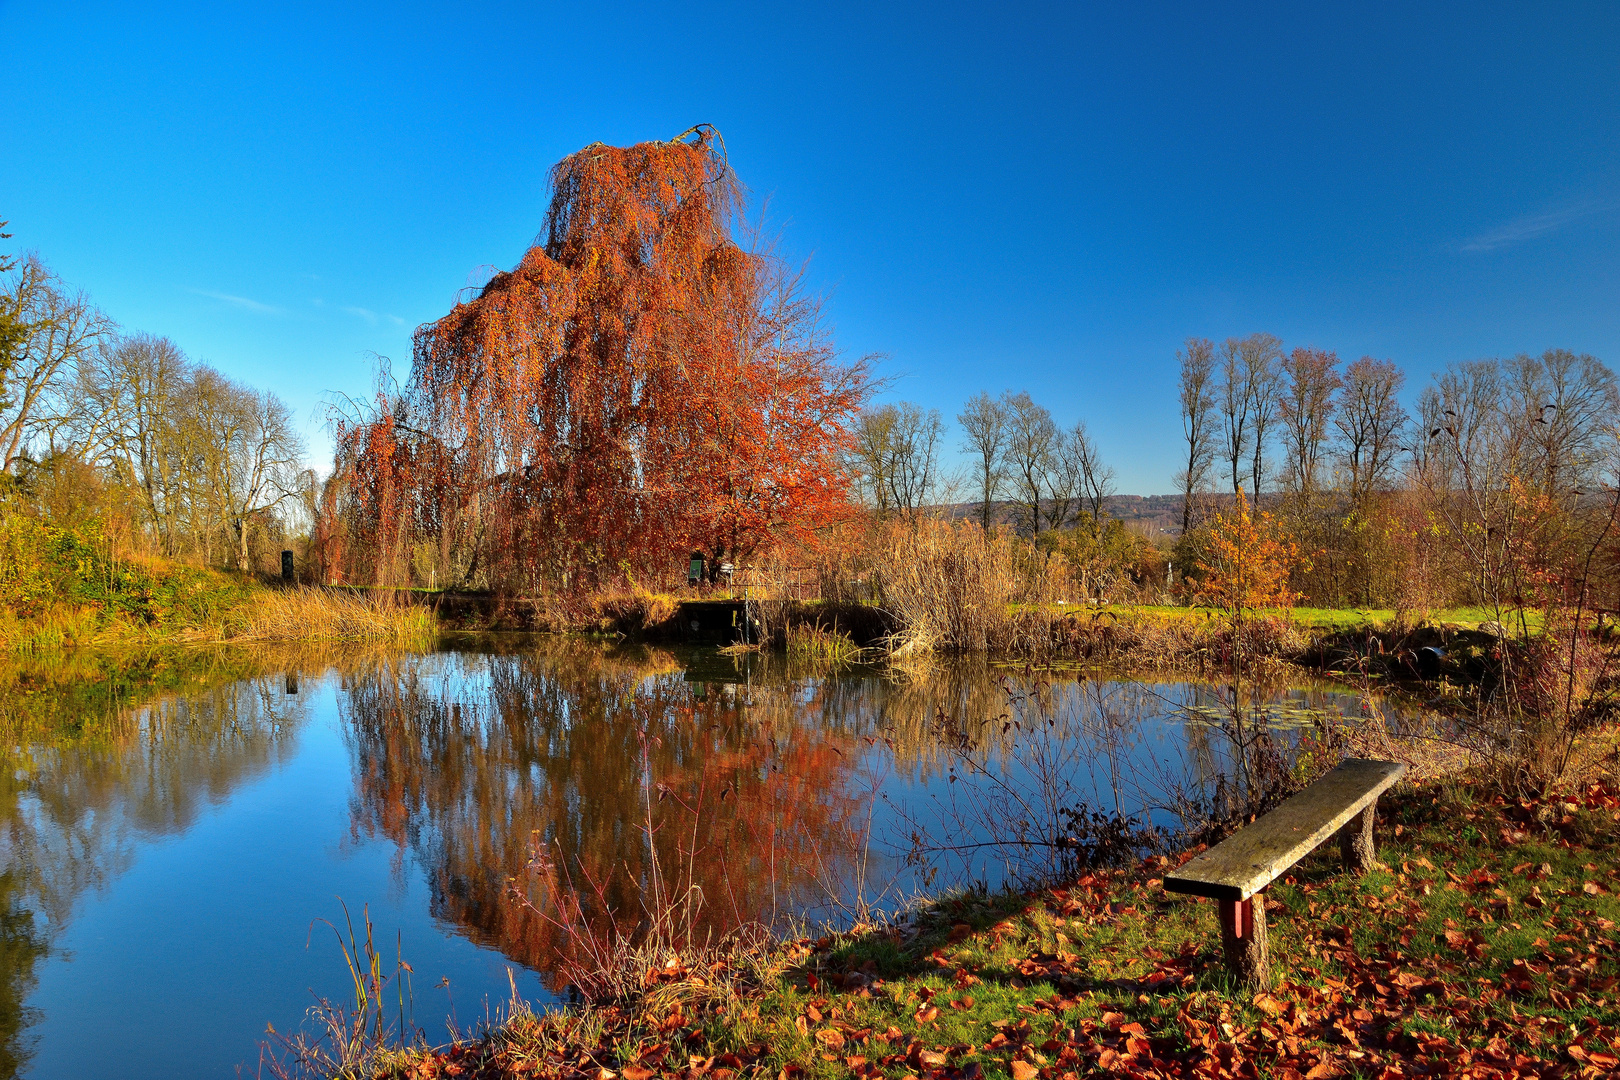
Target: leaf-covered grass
[1487,942]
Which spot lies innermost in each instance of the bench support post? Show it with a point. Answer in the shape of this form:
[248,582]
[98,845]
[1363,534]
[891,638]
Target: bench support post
[1243,940]
[1356,841]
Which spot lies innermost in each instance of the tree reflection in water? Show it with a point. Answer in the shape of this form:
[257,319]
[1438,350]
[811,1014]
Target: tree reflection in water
[760,784]
[628,774]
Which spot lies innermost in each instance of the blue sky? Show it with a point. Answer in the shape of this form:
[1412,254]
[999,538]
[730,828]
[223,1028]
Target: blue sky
[1048,199]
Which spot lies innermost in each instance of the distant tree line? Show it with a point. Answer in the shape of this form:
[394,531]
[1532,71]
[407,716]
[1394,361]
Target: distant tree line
[121,432]
[1053,476]
[1470,498]
[1393,508]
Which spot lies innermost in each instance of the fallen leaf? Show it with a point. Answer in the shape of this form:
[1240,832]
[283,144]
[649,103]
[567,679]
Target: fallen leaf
[1023,1070]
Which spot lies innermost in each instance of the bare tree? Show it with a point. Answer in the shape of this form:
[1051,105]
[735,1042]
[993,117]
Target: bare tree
[1234,402]
[209,458]
[870,454]
[1567,406]
[262,467]
[1370,421]
[12,328]
[1097,478]
[896,456]
[58,327]
[984,423]
[1197,420]
[1310,381]
[1032,439]
[1262,363]
[1066,477]
[130,393]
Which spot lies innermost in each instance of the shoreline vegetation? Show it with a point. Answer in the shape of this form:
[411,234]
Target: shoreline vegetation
[65,591]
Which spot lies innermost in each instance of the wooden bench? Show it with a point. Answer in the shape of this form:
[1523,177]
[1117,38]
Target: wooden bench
[1236,872]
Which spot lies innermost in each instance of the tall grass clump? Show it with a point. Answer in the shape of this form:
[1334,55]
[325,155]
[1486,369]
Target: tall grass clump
[951,586]
[631,613]
[808,641]
[377,617]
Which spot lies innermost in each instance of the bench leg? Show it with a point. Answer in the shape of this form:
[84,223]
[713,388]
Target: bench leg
[1356,841]
[1243,940]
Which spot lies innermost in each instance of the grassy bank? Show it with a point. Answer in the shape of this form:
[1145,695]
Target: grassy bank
[1487,942]
[1357,642]
[62,589]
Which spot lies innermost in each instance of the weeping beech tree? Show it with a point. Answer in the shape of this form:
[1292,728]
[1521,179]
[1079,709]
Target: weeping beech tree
[638,386]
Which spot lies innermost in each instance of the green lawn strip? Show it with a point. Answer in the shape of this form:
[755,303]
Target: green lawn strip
[1464,618]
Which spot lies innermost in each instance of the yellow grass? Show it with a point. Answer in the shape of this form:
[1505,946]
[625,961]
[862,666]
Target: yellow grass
[308,614]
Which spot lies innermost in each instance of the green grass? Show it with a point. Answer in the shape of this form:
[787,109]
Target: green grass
[60,588]
[1467,618]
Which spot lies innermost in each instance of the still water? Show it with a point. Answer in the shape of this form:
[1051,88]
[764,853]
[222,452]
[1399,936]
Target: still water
[173,861]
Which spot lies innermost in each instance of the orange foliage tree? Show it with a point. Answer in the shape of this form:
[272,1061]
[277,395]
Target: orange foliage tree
[640,385]
[1247,561]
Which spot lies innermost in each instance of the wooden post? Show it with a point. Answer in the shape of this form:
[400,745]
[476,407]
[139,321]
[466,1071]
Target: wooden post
[1356,841]
[1243,940]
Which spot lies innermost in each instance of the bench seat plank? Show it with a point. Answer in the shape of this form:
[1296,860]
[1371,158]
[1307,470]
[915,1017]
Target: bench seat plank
[1254,856]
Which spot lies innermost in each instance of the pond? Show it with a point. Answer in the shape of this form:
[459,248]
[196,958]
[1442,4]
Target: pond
[178,860]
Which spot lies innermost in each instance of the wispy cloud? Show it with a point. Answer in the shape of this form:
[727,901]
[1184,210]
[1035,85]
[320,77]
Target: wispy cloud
[396,320]
[1532,226]
[240,302]
[363,313]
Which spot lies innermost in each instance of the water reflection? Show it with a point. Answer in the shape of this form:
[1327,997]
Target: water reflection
[89,776]
[619,781]
[636,782]
[636,774]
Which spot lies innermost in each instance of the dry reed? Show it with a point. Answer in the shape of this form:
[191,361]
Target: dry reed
[950,587]
[317,613]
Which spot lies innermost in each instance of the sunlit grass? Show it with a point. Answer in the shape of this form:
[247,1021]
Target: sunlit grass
[1351,618]
[311,614]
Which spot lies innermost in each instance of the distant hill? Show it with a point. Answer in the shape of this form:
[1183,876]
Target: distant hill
[1150,515]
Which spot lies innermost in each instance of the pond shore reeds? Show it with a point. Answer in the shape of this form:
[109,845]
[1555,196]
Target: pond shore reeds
[314,613]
